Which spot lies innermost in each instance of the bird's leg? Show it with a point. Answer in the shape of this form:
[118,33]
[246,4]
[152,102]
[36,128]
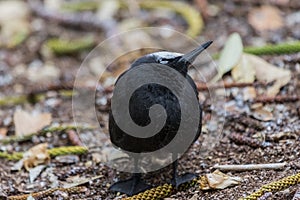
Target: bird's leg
[131,186]
[178,180]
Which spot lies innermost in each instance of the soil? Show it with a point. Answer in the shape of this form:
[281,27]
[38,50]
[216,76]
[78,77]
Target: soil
[231,16]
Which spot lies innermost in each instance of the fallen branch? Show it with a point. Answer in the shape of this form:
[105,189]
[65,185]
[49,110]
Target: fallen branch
[250,167]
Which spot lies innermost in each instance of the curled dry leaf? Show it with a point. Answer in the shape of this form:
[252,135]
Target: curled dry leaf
[230,55]
[26,123]
[218,180]
[267,72]
[265,18]
[35,156]
[251,66]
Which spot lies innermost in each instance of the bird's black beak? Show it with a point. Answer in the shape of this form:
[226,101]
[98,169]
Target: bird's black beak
[190,57]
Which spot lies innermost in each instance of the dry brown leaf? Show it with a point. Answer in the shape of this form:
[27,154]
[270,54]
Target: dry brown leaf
[256,106]
[35,156]
[3,132]
[243,72]
[75,181]
[26,123]
[266,72]
[265,18]
[218,180]
[249,93]
[262,114]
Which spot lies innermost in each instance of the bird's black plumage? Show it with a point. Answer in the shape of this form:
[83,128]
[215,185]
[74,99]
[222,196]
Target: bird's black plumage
[140,102]
[150,94]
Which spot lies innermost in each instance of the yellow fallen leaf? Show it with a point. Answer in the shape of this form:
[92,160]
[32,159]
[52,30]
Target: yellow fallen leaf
[243,72]
[26,123]
[218,180]
[267,72]
[35,156]
[265,18]
[230,55]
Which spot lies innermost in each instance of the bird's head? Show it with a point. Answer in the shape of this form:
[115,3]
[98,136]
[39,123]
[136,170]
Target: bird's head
[178,61]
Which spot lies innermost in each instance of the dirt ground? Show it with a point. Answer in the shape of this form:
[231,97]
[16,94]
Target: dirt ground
[29,68]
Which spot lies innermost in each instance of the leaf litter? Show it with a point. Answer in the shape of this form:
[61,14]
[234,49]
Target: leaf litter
[226,152]
[26,123]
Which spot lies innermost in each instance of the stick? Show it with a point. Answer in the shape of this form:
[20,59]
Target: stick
[250,166]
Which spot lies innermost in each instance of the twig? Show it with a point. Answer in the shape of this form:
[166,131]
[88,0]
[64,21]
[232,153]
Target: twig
[250,167]
[51,87]
[277,99]
[204,86]
[74,138]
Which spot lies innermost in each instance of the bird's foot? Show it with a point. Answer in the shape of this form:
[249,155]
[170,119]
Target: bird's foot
[179,180]
[130,186]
